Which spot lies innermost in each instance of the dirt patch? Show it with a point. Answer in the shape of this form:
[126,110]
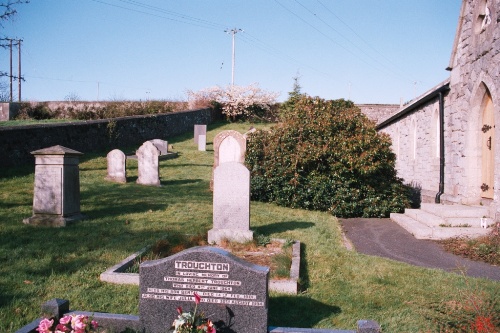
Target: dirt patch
[275,254]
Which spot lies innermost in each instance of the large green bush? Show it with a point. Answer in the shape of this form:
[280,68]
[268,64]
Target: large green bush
[325,155]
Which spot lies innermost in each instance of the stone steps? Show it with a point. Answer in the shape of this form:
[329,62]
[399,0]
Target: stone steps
[436,221]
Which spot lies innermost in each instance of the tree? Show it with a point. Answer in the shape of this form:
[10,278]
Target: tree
[325,155]
[235,100]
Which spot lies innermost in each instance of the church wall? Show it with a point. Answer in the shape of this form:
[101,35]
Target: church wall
[415,142]
[475,69]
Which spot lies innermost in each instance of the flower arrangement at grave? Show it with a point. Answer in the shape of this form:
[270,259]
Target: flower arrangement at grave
[68,324]
[193,321]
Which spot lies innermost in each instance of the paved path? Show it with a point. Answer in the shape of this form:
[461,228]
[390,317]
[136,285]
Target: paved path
[385,238]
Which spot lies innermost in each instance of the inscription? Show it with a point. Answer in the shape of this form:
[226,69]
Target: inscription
[202,266]
[203,275]
[203,300]
[206,281]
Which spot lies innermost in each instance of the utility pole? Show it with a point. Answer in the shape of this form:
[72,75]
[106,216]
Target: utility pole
[19,69]
[10,74]
[233,31]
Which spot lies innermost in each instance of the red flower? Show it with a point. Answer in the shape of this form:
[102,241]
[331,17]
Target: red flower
[179,310]
[483,325]
[197,298]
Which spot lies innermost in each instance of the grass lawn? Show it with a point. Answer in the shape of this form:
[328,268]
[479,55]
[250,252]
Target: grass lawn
[339,287]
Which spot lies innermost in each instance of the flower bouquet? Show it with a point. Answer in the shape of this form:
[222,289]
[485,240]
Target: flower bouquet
[193,322]
[68,324]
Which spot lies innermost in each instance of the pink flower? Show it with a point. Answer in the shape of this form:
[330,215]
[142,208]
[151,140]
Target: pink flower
[45,325]
[65,320]
[95,324]
[78,323]
[61,328]
[197,298]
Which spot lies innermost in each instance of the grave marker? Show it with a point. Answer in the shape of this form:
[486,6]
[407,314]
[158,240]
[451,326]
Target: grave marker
[233,292]
[148,165]
[56,198]
[161,145]
[117,171]
[231,204]
[229,146]
[202,142]
[199,130]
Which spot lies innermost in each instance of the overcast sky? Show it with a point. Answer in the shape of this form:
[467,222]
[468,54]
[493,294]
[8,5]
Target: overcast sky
[369,51]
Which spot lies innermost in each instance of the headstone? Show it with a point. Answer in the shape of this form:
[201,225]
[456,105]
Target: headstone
[117,171]
[233,292]
[231,204]
[56,199]
[202,142]
[199,130]
[148,164]
[161,145]
[229,146]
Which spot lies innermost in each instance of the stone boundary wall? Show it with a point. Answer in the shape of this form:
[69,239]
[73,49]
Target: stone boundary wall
[16,142]
[378,112]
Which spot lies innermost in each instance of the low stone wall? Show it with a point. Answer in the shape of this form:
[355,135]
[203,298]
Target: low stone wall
[17,142]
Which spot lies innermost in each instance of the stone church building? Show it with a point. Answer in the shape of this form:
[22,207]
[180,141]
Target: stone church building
[446,141]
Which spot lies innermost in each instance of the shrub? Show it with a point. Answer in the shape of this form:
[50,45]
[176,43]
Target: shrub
[325,155]
[237,102]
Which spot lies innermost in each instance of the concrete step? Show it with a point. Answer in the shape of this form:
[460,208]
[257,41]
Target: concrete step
[455,211]
[417,229]
[424,225]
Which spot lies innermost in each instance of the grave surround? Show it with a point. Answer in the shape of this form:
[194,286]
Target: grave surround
[233,292]
[116,274]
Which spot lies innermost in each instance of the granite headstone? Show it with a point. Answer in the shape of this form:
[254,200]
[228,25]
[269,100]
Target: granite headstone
[161,145]
[233,292]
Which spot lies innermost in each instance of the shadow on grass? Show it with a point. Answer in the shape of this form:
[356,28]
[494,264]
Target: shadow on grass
[298,311]
[282,227]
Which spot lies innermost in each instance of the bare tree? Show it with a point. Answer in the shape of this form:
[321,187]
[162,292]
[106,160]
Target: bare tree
[9,10]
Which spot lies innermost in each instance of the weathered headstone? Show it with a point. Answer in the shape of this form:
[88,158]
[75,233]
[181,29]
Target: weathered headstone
[56,199]
[231,204]
[199,130]
[233,292]
[229,146]
[161,145]
[117,171]
[202,142]
[148,164]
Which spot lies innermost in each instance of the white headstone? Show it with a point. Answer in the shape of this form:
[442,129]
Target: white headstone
[229,150]
[149,170]
[202,142]
[199,130]
[116,166]
[231,204]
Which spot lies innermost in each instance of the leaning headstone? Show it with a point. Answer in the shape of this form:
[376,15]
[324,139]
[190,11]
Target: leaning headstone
[199,130]
[148,164]
[231,204]
[202,142]
[161,145]
[117,171]
[56,199]
[233,292]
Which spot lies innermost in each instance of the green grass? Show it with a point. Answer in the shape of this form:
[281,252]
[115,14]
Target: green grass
[36,122]
[339,287]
